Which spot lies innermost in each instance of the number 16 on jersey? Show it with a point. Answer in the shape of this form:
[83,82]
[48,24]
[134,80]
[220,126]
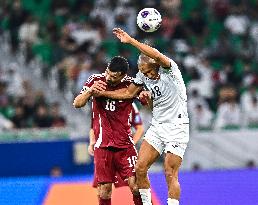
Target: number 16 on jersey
[110,105]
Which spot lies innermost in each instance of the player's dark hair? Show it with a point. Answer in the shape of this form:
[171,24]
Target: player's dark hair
[118,64]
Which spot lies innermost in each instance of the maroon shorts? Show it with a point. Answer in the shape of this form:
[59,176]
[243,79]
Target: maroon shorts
[118,181]
[111,163]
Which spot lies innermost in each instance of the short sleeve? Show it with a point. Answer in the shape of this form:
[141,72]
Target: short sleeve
[88,84]
[173,64]
[138,80]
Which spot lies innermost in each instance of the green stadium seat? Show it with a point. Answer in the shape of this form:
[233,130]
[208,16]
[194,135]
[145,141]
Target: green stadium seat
[44,51]
[111,46]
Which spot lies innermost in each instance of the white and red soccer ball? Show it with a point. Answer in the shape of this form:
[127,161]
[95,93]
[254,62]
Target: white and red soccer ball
[149,19]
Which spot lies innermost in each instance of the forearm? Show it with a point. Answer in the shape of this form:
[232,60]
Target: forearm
[138,133]
[121,94]
[145,49]
[81,99]
[92,137]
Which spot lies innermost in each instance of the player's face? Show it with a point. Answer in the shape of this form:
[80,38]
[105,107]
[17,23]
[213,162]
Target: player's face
[113,78]
[149,70]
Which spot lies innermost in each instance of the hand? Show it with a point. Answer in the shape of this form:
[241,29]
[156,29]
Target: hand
[122,35]
[145,95]
[91,149]
[97,88]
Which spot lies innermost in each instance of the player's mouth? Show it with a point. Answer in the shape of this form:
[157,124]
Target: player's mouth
[111,83]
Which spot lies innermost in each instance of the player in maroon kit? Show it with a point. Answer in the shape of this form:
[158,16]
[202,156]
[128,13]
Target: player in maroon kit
[137,126]
[114,150]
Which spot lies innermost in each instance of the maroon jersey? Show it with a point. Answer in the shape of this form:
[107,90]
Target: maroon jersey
[110,118]
[135,117]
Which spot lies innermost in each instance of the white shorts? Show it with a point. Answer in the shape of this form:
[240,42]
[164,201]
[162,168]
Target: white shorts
[167,137]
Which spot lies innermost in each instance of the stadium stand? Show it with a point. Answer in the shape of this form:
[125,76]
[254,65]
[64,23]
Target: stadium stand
[216,46]
[51,47]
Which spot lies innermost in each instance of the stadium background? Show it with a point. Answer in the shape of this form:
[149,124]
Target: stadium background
[49,47]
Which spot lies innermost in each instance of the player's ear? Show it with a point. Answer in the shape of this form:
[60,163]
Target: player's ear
[123,75]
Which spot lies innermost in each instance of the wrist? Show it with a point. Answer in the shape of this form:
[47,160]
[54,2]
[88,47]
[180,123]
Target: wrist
[132,41]
[88,91]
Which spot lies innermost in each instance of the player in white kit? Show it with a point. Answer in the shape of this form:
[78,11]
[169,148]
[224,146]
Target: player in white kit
[169,130]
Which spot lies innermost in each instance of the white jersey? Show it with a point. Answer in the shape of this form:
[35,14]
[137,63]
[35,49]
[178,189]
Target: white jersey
[168,93]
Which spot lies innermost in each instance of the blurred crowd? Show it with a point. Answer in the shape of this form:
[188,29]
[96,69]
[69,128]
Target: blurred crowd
[214,42]
[23,107]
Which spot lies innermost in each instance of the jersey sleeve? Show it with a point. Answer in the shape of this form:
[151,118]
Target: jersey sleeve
[173,66]
[138,80]
[88,84]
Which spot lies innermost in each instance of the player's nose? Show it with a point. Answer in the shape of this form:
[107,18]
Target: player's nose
[150,75]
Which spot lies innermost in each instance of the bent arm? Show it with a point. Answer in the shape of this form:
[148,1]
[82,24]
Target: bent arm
[85,95]
[82,99]
[123,94]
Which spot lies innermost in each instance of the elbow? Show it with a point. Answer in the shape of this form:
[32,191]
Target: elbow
[158,58]
[80,101]
[130,96]
[76,104]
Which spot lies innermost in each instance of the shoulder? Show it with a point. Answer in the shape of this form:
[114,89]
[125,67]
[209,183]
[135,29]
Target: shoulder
[172,65]
[91,80]
[128,79]
[172,69]
[139,79]
[139,75]
[95,77]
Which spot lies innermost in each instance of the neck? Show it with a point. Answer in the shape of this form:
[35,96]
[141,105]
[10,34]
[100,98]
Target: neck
[157,76]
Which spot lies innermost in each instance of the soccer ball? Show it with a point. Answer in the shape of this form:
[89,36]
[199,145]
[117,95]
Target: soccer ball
[149,19]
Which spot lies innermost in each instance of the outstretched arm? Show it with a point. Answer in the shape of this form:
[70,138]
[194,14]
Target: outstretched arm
[122,94]
[144,48]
